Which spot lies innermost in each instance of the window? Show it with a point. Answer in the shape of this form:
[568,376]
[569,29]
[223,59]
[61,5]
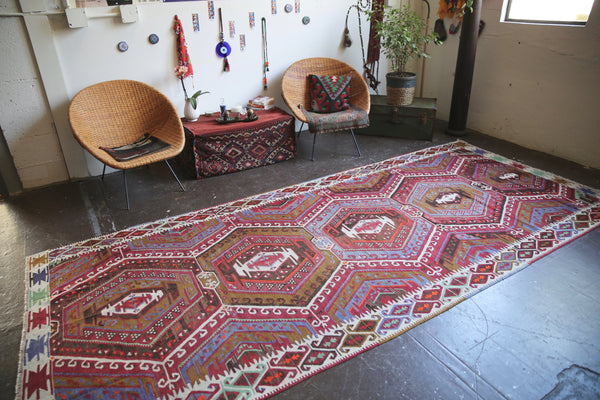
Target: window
[563,12]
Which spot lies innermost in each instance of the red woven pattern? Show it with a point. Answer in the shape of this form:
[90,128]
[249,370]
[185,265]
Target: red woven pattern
[246,298]
[329,93]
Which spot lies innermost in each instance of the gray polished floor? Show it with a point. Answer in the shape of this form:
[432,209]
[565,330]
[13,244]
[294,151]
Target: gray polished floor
[507,342]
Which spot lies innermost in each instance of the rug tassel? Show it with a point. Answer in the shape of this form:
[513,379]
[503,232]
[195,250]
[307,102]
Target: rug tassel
[225,65]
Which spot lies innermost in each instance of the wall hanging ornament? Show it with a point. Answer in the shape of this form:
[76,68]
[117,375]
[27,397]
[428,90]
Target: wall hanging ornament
[454,26]
[371,67]
[288,8]
[183,58]
[265,51]
[196,22]
[347,41]
[242,41]
[440,30]
[297,7]
[153,38]
[273,6]
[425,48]
[122,46]
[223,48]
[231,29]
[211,10]
[251,19]
[451,9]
[371,61]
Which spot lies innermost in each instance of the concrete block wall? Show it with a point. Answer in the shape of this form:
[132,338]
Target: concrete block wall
[25,118]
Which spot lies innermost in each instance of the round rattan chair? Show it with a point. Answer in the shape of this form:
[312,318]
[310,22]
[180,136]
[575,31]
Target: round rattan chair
[296,93]
[116,113]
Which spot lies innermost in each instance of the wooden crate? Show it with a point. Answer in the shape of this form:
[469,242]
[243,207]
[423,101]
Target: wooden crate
[414,121]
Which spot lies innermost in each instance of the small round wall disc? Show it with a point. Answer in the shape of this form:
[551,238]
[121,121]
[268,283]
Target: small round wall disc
[305,20]
[153,38]
[288,8]
[122,46]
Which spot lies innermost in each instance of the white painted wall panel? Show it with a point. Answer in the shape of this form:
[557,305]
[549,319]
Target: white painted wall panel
[89,55]
[534,85]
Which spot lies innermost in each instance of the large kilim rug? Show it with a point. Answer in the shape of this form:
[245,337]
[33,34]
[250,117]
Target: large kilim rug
[245,299]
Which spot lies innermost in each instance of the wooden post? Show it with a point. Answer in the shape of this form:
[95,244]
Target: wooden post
[463,77]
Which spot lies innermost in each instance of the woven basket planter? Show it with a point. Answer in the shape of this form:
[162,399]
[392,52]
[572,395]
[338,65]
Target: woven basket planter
[400,88]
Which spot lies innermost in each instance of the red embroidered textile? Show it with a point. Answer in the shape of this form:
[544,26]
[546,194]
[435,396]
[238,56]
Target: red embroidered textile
[216,149]
[183,57]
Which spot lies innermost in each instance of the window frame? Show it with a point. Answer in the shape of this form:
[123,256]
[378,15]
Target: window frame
[506,18]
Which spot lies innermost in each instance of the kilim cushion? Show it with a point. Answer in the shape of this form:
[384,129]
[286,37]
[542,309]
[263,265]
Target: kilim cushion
[329,93]
[351,118]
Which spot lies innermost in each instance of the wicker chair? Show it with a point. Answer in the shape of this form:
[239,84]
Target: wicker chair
[296,94]
[115,113]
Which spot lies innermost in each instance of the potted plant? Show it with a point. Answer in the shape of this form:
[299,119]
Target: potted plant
[190,110]
[402,33]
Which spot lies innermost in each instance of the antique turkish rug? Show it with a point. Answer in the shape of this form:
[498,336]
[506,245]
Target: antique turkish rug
[245,299]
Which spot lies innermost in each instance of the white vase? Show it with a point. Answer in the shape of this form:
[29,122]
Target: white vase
[191,114]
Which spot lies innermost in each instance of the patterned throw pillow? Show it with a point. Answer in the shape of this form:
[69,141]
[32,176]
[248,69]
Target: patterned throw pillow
[329,93]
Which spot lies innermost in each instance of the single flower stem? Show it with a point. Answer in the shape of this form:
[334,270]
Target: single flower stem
[183,86]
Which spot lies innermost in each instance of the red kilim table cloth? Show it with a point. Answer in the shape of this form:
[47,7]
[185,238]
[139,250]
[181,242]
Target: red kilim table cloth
[218,149]
[244,299]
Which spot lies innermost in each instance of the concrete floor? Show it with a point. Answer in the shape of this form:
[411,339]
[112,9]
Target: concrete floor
[509,341]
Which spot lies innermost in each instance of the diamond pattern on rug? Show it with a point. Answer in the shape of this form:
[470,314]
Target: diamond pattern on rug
[249,297]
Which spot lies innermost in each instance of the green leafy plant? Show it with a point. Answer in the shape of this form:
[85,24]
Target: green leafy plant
[402,33]
[181,72]
[468,6]
[193,98]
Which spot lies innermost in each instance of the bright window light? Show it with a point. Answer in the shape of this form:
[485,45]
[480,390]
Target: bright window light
[570,12]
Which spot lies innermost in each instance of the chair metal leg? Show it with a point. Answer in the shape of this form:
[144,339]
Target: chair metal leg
[355,143]
[103,171]
[176,178]
[300,130]
[312,157]
[126,191]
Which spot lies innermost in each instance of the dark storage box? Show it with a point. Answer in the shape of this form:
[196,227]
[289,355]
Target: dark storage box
[414,121]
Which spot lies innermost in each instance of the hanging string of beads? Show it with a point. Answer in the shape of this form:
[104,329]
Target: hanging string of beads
[263,22]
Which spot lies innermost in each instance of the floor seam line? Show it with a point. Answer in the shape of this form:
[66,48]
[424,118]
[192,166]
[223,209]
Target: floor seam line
[451,369]
[89,210]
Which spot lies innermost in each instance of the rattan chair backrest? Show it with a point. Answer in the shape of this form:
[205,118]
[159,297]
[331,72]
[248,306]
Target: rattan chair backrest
[118,112]
[295,88]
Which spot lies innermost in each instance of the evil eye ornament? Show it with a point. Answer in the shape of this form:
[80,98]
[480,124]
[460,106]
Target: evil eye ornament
[223,49]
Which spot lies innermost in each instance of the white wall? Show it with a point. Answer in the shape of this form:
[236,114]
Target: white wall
[535,86]
[90,54]
[538,86]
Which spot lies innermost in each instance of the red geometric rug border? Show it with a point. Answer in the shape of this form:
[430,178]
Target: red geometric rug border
[312,355]
[487,271]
